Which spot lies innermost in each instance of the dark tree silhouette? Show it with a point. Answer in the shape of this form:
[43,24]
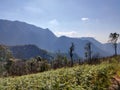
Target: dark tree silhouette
[113,39]
[71,53]
[88,53]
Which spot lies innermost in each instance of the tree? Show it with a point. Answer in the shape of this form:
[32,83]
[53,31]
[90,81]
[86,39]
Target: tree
[5,53]
[60,60]
[5,56]
[88,53]
[71,53]
[113,39]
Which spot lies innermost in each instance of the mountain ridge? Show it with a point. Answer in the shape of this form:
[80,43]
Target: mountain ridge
[21,33]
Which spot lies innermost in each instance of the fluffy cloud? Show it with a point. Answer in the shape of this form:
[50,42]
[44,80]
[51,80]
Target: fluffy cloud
[84,19]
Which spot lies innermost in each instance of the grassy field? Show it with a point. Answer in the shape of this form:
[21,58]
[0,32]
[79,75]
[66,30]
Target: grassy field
[79,77]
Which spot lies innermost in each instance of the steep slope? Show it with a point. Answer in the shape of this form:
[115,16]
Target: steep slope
[20,33]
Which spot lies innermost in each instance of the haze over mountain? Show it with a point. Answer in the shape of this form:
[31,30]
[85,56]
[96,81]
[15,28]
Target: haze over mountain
[29,51]
[21,33]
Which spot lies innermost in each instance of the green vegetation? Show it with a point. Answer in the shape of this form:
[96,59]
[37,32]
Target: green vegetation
[5,53]
[91,74]
[79,77]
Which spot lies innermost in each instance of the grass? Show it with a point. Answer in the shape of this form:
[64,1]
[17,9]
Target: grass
[79,77]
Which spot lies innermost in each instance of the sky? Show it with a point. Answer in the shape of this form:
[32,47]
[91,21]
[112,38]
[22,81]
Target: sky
[73,18]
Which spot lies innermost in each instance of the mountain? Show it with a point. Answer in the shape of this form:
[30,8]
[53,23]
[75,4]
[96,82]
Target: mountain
[63,43]
[110,48]
[28,51]
[20,33]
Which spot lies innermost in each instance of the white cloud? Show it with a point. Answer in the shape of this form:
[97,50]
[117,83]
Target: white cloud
[84,19]
[73,34]
[69,33]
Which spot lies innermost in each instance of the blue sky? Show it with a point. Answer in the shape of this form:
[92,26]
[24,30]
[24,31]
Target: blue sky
[74,18]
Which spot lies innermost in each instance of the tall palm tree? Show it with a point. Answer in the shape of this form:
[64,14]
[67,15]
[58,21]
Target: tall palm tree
[113,39]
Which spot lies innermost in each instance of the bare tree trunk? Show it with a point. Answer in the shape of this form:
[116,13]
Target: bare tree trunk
[71,53]
[71,62]
[115,46]
[71,56]
[89,51]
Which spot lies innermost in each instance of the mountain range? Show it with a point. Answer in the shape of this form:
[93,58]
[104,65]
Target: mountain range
[20,33]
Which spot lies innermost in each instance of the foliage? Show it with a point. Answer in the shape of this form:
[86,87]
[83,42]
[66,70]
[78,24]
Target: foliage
[27,67]
[59,61]
[16,67]
[5,53]
[82,77]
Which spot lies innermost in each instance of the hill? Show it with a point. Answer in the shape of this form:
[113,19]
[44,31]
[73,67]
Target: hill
[82,77]
[29,51]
